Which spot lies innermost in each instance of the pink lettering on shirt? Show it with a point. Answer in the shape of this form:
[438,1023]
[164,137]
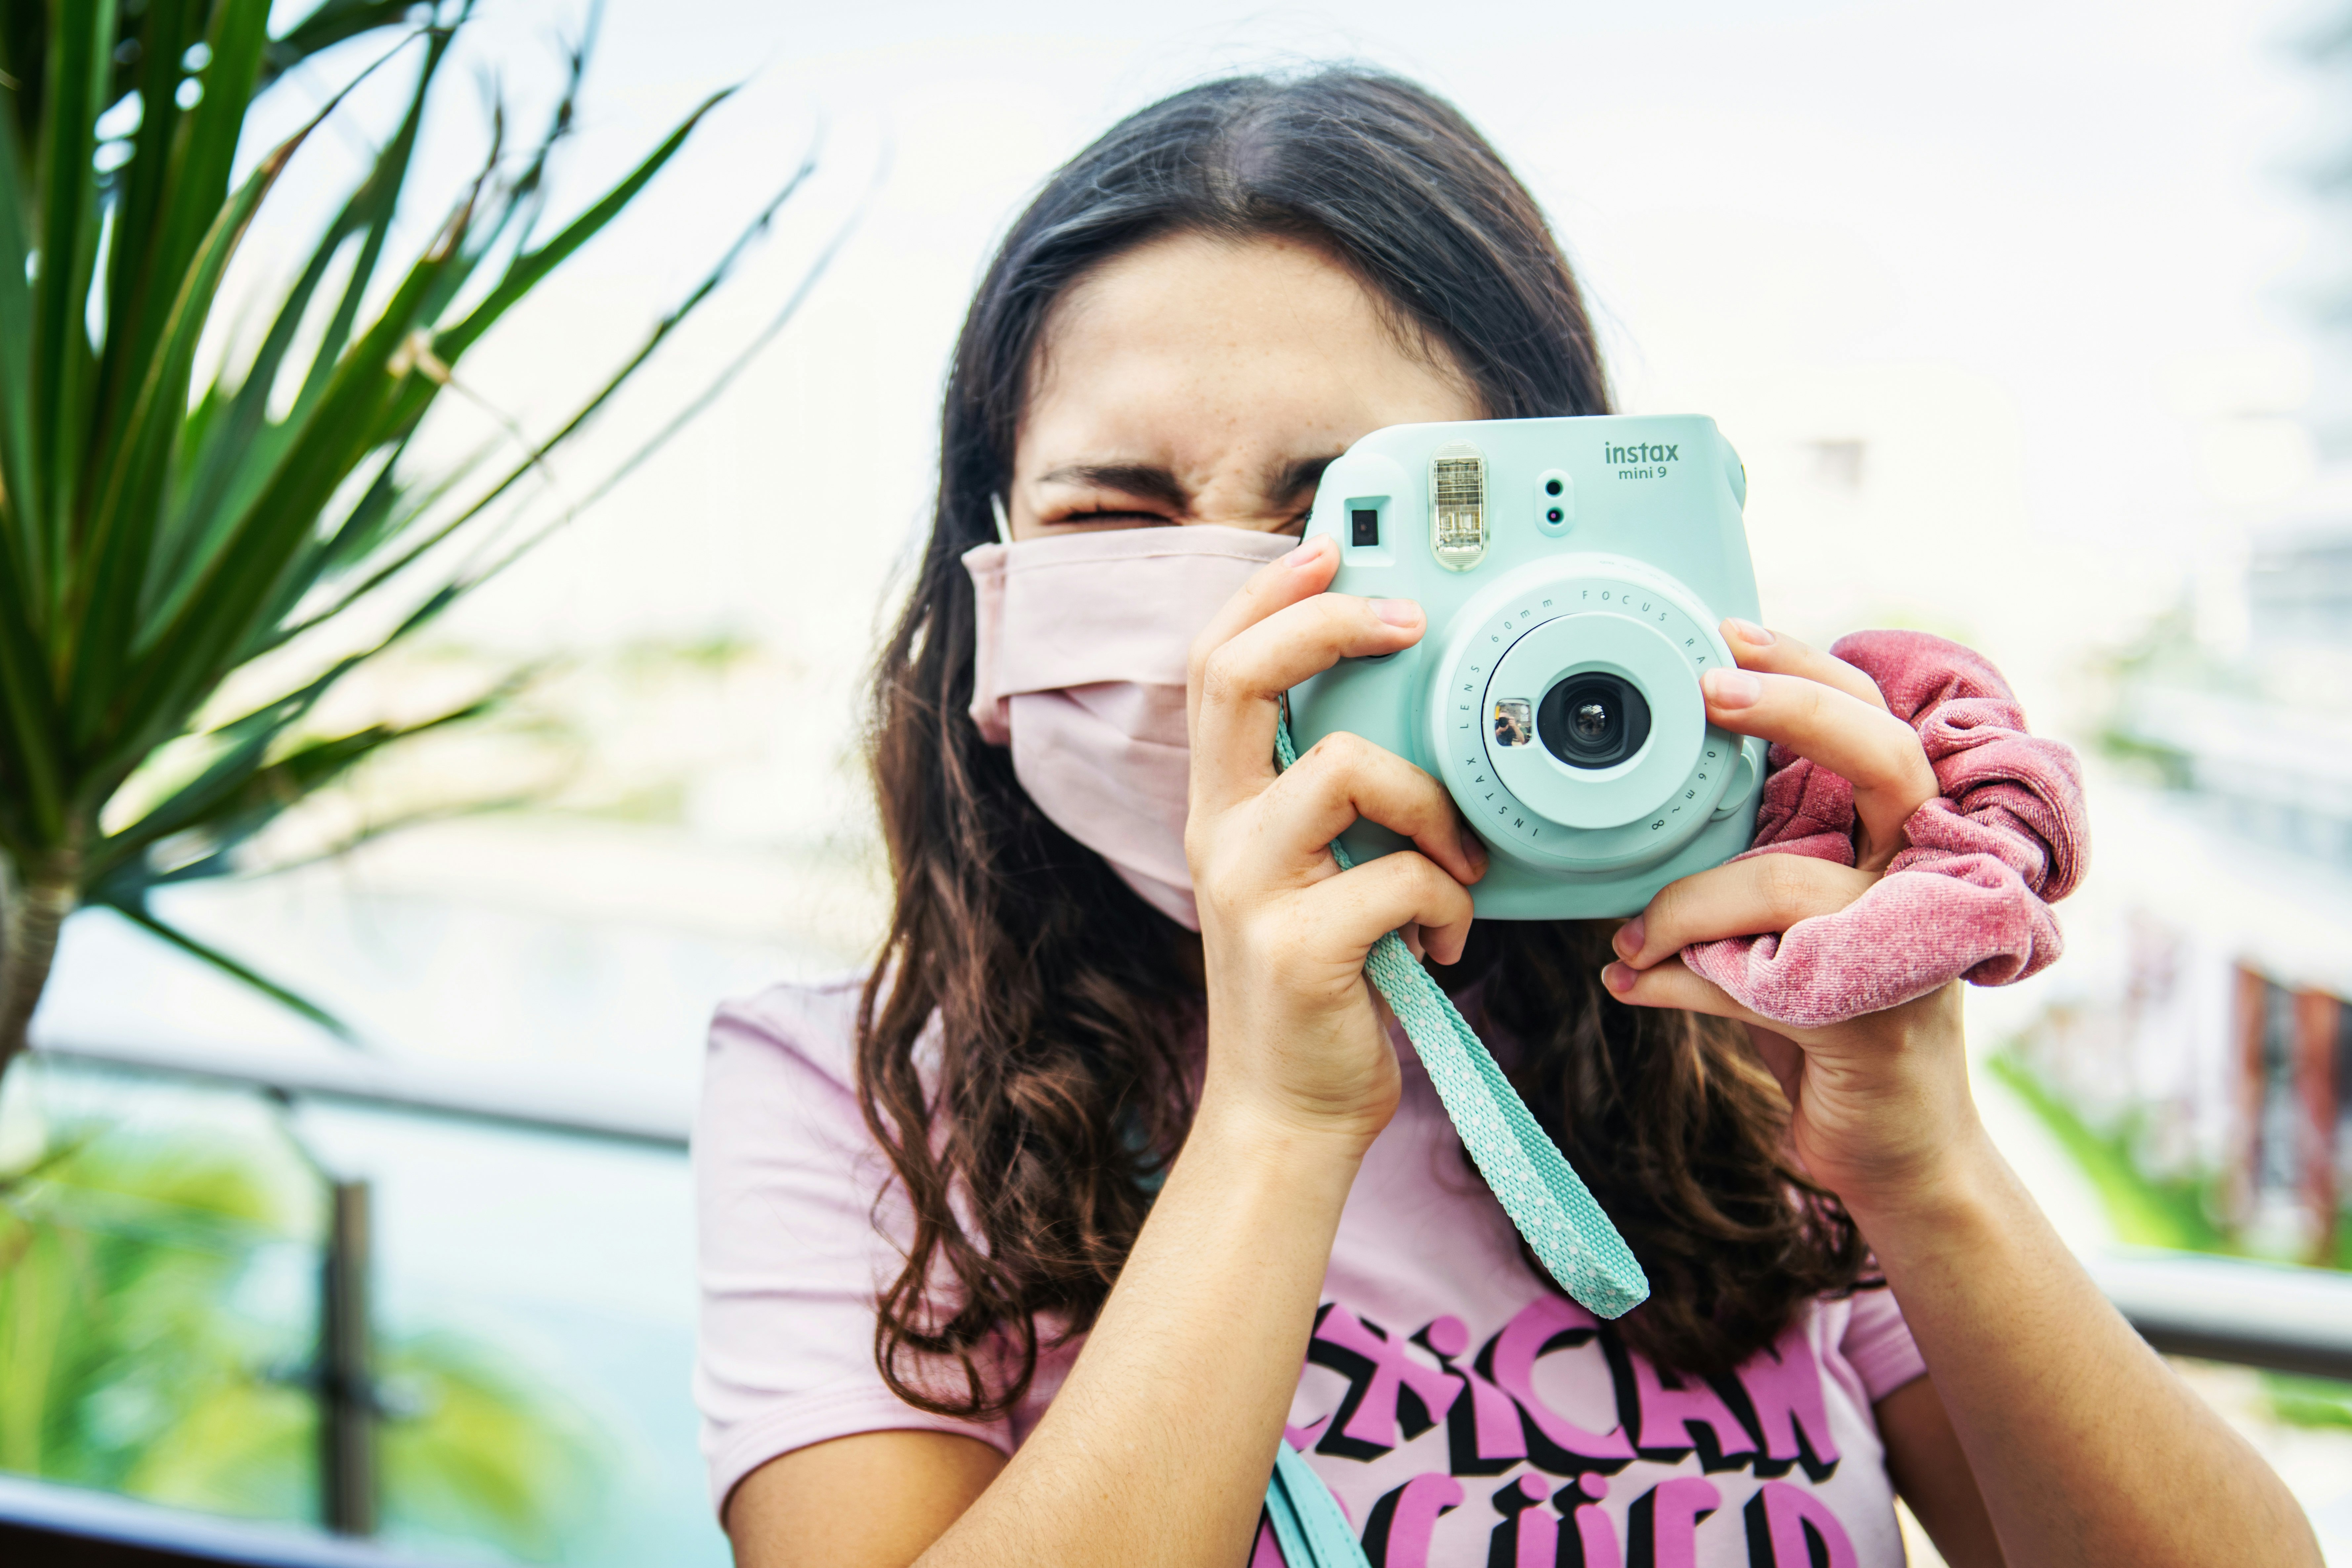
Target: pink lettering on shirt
[1528,1536]
[1397,1536]
[1390,1396]
[1544,1324]
[1594,1545]
[1483,1433]
[1784,1384]
[1786,1523]
[1663,1528]
[1693,1416]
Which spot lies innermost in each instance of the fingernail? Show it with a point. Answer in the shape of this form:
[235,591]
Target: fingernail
[1397,612]
[1732,688]
[1303,554]
[1628,939]
[1476,852]
[1749,632]
[1618,977]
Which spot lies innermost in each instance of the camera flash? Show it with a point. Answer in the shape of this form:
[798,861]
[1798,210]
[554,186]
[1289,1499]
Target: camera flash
[1515,722]
[1457,506]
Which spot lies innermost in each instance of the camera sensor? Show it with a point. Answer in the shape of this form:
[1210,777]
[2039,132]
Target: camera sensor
[1594,719]
[1555,502]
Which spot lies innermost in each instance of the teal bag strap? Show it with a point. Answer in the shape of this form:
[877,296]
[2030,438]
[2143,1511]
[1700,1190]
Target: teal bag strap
[1308,1524]
[1539,1190]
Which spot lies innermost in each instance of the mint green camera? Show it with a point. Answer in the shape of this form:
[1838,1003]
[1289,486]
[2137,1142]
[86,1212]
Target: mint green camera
[1574,571]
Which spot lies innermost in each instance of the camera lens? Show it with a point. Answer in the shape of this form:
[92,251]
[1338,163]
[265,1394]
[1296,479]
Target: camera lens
[1594,719]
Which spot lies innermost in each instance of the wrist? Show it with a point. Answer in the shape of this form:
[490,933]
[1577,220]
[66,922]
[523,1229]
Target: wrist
[1953,1191]
[1310,1088]
[1236,1134]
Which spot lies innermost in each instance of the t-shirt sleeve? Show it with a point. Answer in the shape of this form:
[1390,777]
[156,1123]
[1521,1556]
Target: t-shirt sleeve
[791,1248]
[1878,1344]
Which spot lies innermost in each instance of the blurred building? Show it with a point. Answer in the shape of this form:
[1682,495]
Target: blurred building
[2224,1058]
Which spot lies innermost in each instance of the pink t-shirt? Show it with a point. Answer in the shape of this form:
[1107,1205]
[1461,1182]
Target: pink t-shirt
[1463,1413]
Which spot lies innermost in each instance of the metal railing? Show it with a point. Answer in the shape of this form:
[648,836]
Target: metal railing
[2227,1308]
[42,1522]
[45,1523]
[456,1090]
[2254,1314]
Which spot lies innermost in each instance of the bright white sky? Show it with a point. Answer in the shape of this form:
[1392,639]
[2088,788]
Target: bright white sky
[2039,255]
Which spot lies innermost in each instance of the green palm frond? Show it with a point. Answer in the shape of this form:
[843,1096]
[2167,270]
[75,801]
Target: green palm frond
[160,532]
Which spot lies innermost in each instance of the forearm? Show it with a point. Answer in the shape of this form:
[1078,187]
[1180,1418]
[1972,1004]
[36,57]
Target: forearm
[2086,1447]
[1157,1449]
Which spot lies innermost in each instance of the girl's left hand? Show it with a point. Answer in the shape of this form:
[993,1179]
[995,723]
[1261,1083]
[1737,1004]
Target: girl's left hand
[1877,1101]
[1880,1115]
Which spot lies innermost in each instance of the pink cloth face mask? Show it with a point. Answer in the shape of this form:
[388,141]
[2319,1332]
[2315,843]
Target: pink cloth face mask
[1081,647]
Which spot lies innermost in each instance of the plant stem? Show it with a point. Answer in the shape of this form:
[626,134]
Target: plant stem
[44,899]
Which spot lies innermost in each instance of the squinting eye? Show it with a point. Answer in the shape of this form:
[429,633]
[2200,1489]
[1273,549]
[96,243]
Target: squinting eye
[1106,514]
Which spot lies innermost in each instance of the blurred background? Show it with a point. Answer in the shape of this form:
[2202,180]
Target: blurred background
[2033,326]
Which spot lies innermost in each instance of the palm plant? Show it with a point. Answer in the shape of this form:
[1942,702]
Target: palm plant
[162,533]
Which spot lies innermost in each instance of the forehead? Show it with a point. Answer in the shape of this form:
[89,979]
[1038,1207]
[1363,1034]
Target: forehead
[1194,351]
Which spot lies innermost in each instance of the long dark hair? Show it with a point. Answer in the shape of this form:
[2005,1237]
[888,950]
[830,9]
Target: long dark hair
[1050,1006]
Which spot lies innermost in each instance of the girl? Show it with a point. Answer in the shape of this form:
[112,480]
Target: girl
[1029,1247]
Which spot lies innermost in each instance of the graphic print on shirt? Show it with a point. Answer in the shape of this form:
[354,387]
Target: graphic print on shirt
[1565,1449]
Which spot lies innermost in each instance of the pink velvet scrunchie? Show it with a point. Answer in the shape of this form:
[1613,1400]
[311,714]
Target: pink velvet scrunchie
[1970,895]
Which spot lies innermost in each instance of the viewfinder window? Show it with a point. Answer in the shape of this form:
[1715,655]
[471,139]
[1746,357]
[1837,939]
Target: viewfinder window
[1365,525]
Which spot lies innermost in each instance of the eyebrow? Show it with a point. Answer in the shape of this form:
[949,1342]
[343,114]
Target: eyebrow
[1146,480]
[1288,479]
[1150,481]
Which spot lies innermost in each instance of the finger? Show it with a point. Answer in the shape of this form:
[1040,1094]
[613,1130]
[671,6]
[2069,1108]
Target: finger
[1366,902]
[1308,569]
[1237,682]
[1763,893]
[1674,985]
[1274,587]
[1304,573]
[1775,652]
[1344,776]
[1868,747]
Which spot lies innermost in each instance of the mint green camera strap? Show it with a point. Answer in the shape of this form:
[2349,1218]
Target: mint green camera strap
[1308,1524]
[1544,1197]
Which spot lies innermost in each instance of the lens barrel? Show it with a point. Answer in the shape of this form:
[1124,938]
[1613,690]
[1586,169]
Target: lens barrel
[1593,720]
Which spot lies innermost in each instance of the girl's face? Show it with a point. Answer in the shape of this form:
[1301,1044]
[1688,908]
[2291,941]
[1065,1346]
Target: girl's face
[1203,380]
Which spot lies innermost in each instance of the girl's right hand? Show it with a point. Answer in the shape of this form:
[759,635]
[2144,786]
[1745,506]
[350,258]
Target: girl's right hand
[1295,1037]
